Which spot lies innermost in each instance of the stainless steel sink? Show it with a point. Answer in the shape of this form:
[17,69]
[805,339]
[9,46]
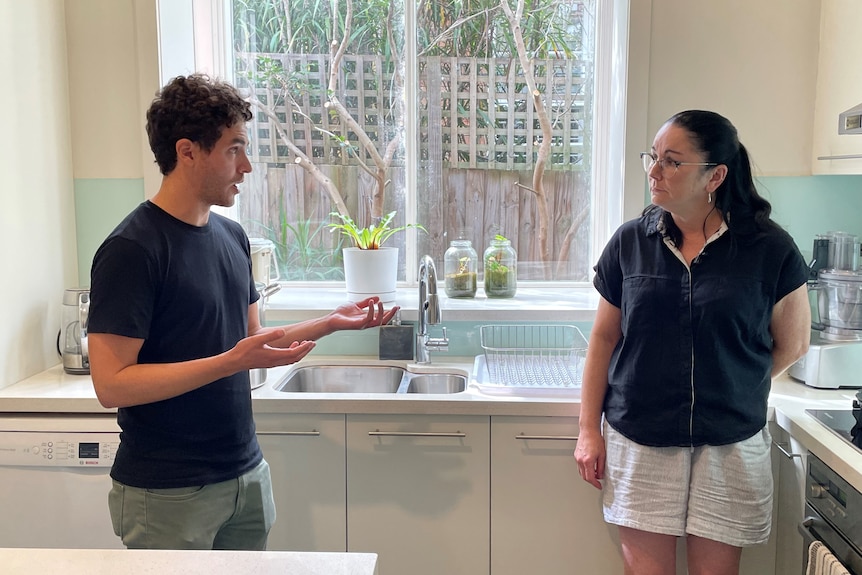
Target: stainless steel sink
[368,379]
[343,379]
[436,383]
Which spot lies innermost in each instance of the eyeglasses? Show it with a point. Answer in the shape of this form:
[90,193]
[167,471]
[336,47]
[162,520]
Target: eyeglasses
[667,166]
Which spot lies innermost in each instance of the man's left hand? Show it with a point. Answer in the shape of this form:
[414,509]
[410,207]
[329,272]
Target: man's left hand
[360,315]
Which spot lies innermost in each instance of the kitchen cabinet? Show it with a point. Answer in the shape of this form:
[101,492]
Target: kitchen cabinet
[418,492]
[838,88]
[544,518]
[451,494]
[790,494]
[306,455]
[760,559]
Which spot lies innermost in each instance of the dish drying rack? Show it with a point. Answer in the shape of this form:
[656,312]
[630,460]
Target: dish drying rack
[537,357]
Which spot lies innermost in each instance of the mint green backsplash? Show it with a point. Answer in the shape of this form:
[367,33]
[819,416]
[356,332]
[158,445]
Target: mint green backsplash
[804,206]
[811,205]
[101,204]
[464,339]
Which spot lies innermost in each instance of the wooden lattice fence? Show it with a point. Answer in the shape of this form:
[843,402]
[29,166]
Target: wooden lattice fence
[477,138]
[474,112]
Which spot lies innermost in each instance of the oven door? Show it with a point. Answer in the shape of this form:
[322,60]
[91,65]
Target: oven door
[815,528]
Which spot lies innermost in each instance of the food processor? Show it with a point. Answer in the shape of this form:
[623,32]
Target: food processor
[834,358]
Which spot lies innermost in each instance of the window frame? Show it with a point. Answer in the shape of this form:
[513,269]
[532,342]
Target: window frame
[195,35]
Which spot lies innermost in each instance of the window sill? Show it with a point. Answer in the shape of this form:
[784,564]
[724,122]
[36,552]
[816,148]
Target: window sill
[530,304]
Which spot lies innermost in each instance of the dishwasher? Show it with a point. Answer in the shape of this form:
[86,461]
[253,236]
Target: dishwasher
[54,480]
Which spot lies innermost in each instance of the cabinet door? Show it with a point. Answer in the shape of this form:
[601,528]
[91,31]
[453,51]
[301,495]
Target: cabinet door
[839,86]
[307,463]
[544,517]
[760,559]
[418,492]
[790,493]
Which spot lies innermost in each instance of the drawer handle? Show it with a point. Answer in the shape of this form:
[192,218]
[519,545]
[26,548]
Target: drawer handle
[548,437]
[786,453]
[844,157]
[312,433]
[379,433]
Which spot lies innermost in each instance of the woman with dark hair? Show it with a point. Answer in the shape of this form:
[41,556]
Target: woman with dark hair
[704,301]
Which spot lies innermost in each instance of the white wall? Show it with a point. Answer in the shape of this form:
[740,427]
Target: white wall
[753,61]
[106,136]
[37,228]
[114,75]
[80,74]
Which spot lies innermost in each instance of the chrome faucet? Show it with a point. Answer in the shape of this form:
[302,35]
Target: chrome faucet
[429,312]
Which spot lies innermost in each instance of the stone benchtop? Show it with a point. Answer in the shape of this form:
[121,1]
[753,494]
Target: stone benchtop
[55,392]
[164,562]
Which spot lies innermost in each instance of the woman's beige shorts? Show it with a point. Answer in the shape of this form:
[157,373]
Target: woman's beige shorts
[723,493]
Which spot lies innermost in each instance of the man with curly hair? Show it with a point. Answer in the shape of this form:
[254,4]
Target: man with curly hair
[174,329]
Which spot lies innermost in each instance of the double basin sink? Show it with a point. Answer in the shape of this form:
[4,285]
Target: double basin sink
[368,379]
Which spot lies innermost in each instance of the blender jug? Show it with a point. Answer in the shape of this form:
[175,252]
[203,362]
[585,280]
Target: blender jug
[72,343]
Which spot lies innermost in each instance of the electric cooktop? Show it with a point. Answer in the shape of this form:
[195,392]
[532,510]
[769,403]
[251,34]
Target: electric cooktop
[845,423]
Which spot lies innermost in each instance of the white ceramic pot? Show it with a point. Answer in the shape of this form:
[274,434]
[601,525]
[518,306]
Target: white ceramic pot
[370,273]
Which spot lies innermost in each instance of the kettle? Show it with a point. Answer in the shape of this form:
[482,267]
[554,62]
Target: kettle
[72,340]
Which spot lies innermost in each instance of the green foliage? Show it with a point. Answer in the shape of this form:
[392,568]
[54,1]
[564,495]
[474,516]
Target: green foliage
[475,28]
[492,261]
[306,259]
[372,237]
[299,253]
[263,25]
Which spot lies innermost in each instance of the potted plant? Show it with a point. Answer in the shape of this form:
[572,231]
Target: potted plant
[370,269]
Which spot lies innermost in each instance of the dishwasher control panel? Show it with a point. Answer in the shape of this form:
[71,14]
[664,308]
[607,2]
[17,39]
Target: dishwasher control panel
[58,449]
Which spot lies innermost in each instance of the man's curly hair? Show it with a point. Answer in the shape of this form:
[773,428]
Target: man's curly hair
[195,107]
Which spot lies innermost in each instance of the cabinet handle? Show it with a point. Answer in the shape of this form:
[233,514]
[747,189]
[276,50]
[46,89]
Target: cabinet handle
[312,433]
[548,437]
[379,433]
[844,157]
[786,453]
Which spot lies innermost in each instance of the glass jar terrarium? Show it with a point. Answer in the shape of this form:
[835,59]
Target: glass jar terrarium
[501,268]
[461,269]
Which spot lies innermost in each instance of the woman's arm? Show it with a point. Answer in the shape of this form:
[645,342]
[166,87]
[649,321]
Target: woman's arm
[791,329]
[590,451]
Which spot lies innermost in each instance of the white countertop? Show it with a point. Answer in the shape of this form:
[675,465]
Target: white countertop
[54,391]
[152,562]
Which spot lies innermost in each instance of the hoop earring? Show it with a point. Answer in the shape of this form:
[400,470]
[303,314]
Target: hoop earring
[709,198]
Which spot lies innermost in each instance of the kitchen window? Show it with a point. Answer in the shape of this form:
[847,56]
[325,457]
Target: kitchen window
[441,111]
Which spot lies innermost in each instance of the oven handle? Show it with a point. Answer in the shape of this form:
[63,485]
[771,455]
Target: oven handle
[814,528]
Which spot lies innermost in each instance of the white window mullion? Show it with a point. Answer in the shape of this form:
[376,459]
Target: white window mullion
[213,38]
[411,138]
[213,52]
[610,121]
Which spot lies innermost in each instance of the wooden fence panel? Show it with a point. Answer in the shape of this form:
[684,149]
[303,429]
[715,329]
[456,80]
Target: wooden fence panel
[474,204]
[486,114]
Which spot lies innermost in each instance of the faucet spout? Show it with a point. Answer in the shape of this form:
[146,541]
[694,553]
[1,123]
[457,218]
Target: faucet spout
[429,305]
[429,312]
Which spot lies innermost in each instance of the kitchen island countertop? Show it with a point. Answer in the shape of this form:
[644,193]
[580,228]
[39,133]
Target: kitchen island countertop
[164,562]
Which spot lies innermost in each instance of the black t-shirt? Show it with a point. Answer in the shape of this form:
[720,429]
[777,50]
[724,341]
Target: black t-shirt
[694,363]
[185,291]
